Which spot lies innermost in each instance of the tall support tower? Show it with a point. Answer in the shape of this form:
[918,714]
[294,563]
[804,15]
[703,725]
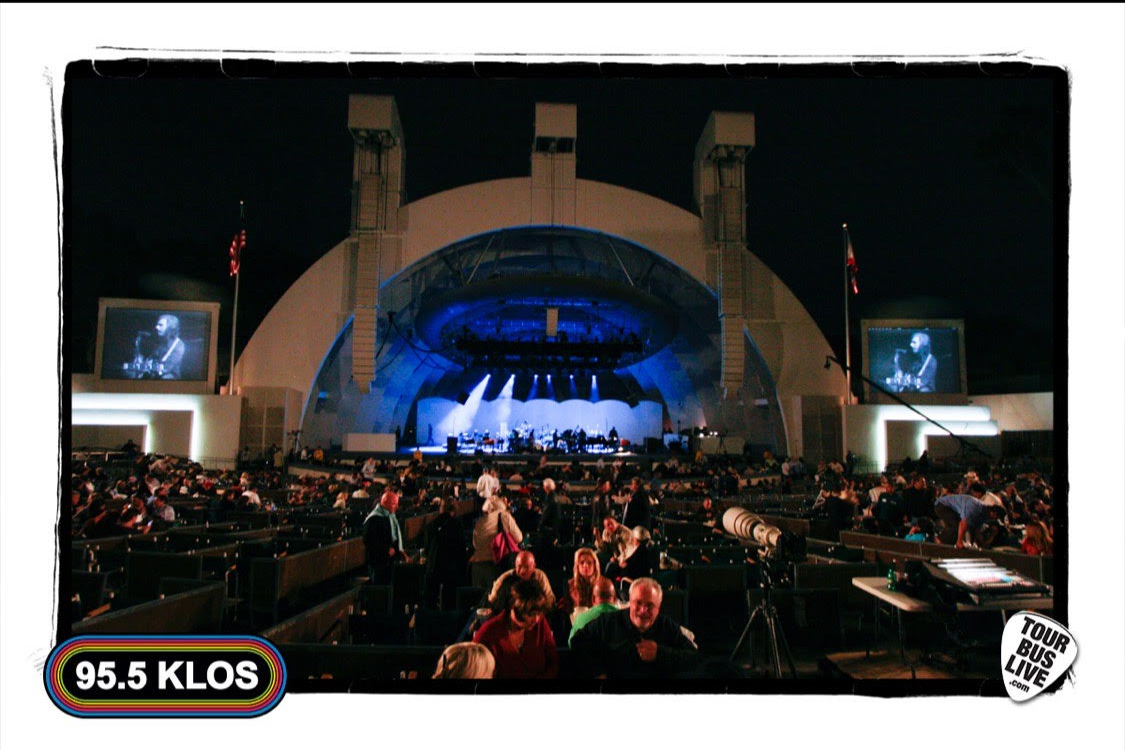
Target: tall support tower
[720,193]
[553,164]
[377,194]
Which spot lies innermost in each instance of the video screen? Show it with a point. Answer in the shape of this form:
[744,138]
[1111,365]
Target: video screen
[915,360]
[155,344]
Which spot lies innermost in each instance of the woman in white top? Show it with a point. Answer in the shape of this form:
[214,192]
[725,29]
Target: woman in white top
[494,514]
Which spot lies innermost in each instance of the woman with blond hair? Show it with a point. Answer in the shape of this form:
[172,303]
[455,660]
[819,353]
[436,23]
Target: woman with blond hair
[580,588]
[465,661]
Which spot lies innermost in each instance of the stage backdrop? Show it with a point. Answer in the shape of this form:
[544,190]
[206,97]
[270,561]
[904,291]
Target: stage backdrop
[501,416]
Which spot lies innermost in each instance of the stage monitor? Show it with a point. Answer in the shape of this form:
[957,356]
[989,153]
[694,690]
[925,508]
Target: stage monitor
[149,346]
[918,360]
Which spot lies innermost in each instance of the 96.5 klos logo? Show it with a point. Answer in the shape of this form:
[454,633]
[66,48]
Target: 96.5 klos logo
[181,676]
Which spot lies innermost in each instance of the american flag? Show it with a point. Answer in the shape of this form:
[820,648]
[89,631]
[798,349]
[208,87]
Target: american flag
[236,247]
[852,267]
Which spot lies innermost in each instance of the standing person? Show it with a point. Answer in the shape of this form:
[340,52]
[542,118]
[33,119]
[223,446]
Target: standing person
[446,557]
[549,519]
[382,538]
[601,506]
[637,511]
[494,517]
[488,484]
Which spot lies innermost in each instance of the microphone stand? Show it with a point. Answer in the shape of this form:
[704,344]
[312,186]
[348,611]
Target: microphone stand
[965,445]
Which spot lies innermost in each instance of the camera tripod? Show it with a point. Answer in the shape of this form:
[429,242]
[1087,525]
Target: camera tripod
[775,635]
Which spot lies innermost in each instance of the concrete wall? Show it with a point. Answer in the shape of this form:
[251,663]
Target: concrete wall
[881,433]
[1020,411]
[288,347]
[204,428]
[105,436]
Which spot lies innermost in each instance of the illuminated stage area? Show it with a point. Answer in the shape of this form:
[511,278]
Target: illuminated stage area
[597,306]
[521,354]
[508,423]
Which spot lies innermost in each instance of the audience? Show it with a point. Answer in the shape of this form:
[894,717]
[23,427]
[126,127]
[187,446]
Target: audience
[1004,505]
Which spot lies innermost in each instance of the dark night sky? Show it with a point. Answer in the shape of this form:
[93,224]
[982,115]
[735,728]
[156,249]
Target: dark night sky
[947,182]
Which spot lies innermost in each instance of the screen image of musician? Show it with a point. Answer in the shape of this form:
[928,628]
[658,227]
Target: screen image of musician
[155,345]
[913,360]
[158,355]
[916,368]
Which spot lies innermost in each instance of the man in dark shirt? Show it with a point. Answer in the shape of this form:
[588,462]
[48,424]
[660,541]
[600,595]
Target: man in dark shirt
[637,511]
[637,642]
[382,538]
[602,504]
[918,498]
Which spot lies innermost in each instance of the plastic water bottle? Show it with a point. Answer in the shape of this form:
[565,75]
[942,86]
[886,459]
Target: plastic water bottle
[892,579]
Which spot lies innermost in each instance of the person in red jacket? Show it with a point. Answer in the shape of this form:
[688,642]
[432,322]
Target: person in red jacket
[520,638]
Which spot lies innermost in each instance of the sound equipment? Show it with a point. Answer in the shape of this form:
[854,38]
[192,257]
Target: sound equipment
[451,444]
[653,445]
[983,580]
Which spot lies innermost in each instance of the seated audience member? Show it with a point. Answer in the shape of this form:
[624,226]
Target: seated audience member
[99,521]
[494,516]
[465,661]
[580,588]
[637,642]
[519,638]
[523,570]
[1036,539]
[706,512]
[605,600]
[161,510]
[921,531]
[630,560]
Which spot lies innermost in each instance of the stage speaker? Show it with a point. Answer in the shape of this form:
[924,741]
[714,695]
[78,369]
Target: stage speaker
[653,445]
[451,444]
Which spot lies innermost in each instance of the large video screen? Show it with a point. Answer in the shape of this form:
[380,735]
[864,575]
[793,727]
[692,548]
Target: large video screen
[915,359]
[142,344]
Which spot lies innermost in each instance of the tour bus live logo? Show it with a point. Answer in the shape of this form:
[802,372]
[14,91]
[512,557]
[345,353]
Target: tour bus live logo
[168,676]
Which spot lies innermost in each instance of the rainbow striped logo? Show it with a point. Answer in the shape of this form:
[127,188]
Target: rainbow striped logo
[169,676]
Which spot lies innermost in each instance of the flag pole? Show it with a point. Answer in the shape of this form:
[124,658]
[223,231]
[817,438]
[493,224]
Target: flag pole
[847,322]
[237,278]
